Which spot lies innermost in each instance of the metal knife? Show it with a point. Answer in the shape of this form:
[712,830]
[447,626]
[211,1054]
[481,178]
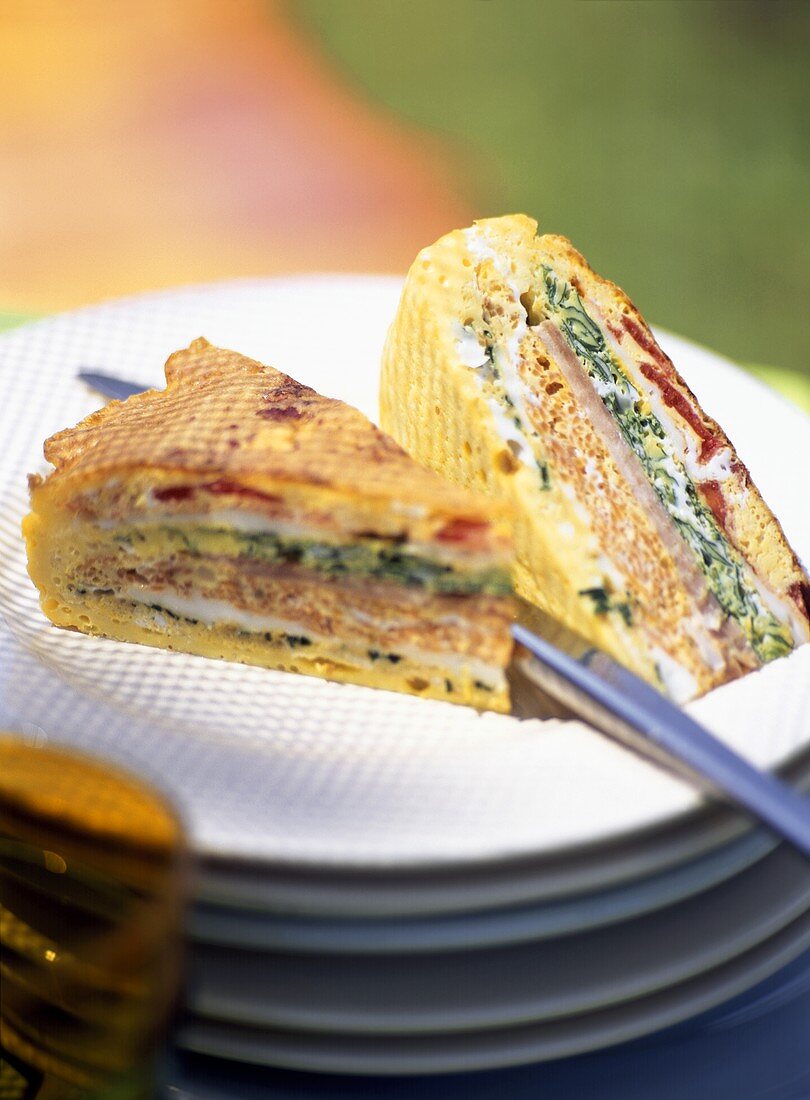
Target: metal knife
[110,387]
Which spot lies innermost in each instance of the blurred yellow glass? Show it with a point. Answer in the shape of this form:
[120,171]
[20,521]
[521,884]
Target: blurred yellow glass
[93,877]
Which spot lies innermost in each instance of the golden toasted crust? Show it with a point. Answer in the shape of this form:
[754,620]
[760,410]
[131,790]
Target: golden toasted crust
[226,416]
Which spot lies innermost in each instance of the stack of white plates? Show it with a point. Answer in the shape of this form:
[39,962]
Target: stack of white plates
[480,988]
[388,884]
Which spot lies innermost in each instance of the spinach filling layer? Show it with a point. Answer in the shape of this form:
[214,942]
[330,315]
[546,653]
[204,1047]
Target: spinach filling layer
[725,570]
[374,558]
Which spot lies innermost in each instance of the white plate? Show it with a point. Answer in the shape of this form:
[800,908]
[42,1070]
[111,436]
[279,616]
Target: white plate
[302,772]
[262,887]
[461,990]
[397,933]
[305,910]
[448,1053]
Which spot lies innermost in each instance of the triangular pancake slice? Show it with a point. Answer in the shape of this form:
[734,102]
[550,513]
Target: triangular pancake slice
[512,366]
[241,515]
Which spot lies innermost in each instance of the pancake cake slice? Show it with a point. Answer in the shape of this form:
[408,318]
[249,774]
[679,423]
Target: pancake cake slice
[241,515]
[511,366]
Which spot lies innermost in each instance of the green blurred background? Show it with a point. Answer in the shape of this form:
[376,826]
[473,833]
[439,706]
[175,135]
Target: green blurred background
[669,141]
[152,145]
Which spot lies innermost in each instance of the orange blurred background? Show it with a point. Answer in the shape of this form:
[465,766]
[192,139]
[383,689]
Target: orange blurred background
[162,142]
[156,143]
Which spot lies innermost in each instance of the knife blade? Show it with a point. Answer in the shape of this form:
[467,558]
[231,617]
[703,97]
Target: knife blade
[108,386]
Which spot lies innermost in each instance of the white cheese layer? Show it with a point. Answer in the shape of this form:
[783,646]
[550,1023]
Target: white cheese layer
[679,683]
[506,359]
[213,612]
[503,415]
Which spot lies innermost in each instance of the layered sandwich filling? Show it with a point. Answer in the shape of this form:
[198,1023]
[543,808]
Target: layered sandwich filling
[430,617]
[738,591]
[528,313]
[381,559]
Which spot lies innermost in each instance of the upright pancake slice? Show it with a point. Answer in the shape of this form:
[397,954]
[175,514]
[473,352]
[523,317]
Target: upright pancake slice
[239,514]
[512,366]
